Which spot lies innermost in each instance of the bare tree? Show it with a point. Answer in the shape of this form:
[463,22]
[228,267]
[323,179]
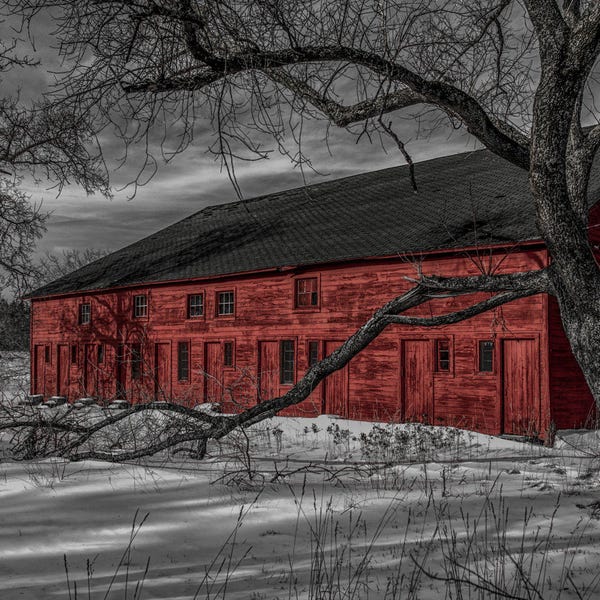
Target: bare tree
[49,143]
[54,266]
[519,75]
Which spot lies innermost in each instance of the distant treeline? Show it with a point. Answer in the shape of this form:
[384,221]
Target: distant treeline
[14,325]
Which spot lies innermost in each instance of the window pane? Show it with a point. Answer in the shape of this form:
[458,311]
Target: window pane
[84,314]
[183,361]
[486,356]
[47,354]
[140,306]
[443,355]
[226,303]
[228,354]
[306,292]
[313,353]
[195,305]
[286,361]
[100,353]
[74,354]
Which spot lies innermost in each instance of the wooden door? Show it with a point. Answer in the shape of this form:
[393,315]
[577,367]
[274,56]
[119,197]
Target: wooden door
[335,395]
[417,380]
[39,370]
[520,387]
[121,374]
[62,370]
[268,370]
[90,370]
[213,372]
[162,371]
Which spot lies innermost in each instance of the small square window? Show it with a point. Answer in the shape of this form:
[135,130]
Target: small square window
[74,354]
[286,361]
[140,305]
[442,356]
[183,361]
[313,353]
[307,294]
[225,303]
[85,313]
[228,354]
[486,356]
[136,361]
[195,305]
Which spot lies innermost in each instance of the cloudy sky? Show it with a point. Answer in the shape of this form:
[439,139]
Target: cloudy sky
[194,179]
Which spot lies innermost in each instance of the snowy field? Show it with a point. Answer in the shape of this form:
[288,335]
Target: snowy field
[308,508]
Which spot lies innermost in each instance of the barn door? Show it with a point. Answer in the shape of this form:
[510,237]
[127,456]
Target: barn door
[162,371]
[520,385]
[336,387]
[213,372]
[90,370]
[268,370]
[417,380]
[62,370]
[39,370]
[121,375]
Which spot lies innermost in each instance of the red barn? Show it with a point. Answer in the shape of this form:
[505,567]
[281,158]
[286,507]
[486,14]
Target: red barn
[233,303]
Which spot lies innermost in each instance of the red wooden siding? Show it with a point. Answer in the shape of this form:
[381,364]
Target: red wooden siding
[392,379]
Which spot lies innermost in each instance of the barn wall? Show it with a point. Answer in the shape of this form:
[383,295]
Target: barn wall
[264,311]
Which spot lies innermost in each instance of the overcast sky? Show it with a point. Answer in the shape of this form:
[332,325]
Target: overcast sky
[194,180]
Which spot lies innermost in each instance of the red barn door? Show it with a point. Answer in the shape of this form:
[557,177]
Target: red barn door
[417,380]
[39,370]
[90,370]
[162,371]
[336,387]
[213,372]
[520,384]
[268,370]
[62,370]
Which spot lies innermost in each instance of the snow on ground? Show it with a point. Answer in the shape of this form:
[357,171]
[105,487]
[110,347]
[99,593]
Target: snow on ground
[313,510]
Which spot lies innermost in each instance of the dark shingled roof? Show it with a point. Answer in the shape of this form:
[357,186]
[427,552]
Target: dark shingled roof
[463,200]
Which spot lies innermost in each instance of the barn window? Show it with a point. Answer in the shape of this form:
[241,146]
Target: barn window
[183,361]
[313,353]
[195,305]
[442,356]
[74,354]
[286,361]
[307,294]
[136,361]
[100,354]
[228,354]
[85,313]
[47,354]
[486,356]
[226,303]
[140,305]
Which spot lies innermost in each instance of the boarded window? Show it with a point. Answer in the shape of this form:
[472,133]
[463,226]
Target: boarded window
[307,294]
[225,303]
[136,361]
[286,361]
[442,356]
[183,361]
[140,306]
[85,313]
[313,353]
[195,305]
[228,354]
[486,356]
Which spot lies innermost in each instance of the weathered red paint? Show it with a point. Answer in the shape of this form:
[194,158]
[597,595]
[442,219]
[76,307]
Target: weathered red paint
[534,381]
